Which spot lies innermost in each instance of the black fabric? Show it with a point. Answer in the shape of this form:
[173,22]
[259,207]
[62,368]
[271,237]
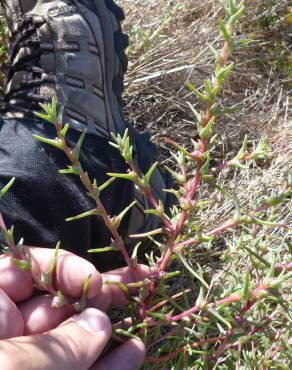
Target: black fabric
[41,199]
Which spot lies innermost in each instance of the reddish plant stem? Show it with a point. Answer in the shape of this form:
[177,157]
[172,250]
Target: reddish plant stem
[230,224]
[207,117]
[227,164]
[219,168]
[151,198]
[223,339]
[99,206]
[279,267]
[173,233]
[194,184]
[241,320]
[155,205]
[254,294]
[190,190]
[225,53]
[231,299]
[147,300]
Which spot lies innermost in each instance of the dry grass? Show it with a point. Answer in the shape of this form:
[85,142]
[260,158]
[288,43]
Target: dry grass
[176,51]
[168,48]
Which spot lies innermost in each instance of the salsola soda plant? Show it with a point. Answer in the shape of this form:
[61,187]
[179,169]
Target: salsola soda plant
[188,316]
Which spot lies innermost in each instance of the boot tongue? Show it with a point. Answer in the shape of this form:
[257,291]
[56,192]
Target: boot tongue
[14,10]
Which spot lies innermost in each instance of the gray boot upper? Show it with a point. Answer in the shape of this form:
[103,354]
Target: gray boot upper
[66,48]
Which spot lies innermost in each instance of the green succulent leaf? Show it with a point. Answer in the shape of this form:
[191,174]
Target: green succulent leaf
[202,97]
[50,110]
[225,32]
[148,175]
[57,143]
[92,212]
[4,190]
[76,150]
[102,250]
[64,131]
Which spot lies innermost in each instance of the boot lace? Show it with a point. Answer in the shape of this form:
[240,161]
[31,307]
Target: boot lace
[31,74]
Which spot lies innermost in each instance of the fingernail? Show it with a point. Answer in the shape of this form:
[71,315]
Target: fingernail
[92,320]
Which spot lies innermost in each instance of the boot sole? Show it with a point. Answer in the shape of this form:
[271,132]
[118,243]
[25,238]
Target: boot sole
[114,60]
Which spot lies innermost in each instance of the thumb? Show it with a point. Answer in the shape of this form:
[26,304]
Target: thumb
[74,345]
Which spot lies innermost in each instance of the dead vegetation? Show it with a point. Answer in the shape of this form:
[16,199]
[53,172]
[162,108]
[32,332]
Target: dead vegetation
[168,47]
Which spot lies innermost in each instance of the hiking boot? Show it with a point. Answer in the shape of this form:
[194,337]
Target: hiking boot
[74,50]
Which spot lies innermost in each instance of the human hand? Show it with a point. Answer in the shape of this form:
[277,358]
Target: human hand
[76,343]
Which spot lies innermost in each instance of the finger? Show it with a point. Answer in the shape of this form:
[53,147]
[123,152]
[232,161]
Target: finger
[71,271]
[75,345]
[111,295]
[11,323]
[70,275]
[129,355]
[12,278]
[39,316]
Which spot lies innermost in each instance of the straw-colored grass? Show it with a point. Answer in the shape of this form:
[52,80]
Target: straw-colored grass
[175,51]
